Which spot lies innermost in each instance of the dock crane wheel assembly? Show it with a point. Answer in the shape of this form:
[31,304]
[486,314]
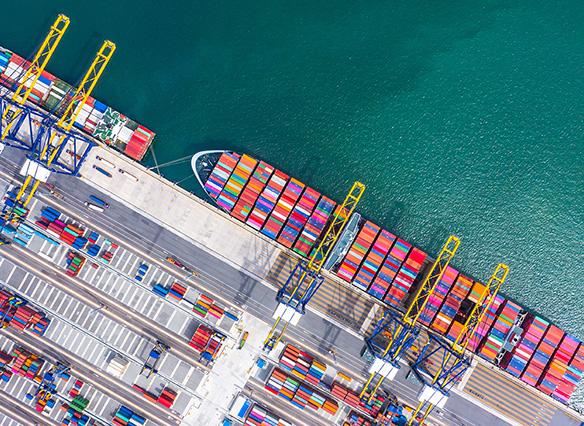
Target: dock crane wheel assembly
[386,364]
[305,279]
[454,361]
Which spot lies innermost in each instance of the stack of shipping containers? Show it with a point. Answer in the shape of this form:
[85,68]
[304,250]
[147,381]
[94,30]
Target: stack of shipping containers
[493,345]
[435,301]
[357,252]
[220,174]
[259,416]
[389,268]
[372,262]
[405,277]
[315,226]
[484,327]
[267,200]
[467,305]
[557,369]
[298,218]
[544,351]
[252,191]
[534,329]
[571,377]
[302,365]
[453,302]
[283,208]
[299,394]
[234,185]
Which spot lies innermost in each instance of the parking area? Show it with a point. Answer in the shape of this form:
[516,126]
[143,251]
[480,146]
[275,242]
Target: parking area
[101,407]
[95,338]
[7,421]
[128,279]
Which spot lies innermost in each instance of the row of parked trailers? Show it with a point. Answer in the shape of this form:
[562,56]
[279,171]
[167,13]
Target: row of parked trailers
[388,268]
[95,118]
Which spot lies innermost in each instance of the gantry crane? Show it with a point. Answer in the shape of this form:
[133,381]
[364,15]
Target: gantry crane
[453,362]
[305,279]
[403,331]
[12,110]
[52,138]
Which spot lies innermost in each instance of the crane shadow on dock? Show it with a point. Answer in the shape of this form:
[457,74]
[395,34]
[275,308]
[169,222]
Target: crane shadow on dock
[346,307]
[247,284]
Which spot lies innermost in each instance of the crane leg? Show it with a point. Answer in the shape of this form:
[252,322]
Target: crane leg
[366,385]
[32,192]
[374,391]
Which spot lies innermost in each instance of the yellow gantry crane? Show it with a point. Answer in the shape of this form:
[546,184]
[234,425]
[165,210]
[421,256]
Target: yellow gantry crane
[52,146]
[32,74]
[454,363]
[305,278]
[406,329]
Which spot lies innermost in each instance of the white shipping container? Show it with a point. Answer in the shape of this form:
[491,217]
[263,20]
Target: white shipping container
[58,90]
[125,134]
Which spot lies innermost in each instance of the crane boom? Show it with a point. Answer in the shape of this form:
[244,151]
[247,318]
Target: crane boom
[32,74]
[304,284]
[442,379]
[407,327]
[70,114]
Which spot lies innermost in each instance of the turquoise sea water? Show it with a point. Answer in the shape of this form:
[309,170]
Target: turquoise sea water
[462,117]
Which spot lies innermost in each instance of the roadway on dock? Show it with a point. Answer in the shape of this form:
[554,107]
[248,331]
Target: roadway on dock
[318,334]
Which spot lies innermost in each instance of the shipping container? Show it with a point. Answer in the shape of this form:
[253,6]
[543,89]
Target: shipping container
[407,274]
[252,191]
[492,344]
[284,206]
[371,264]
[452,306]
[484,326]
[542,355]
[221,174]
[571,377]
[302,365]
[562,373]
[516,361]
[298,217]
[314,227]
[430,315]
[357,253]
[267,200]
[236,182]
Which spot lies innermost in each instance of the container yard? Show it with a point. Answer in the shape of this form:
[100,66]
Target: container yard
[117,309]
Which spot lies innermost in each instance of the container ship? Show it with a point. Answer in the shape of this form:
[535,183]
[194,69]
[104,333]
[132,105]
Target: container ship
[95,119]
[387,267]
